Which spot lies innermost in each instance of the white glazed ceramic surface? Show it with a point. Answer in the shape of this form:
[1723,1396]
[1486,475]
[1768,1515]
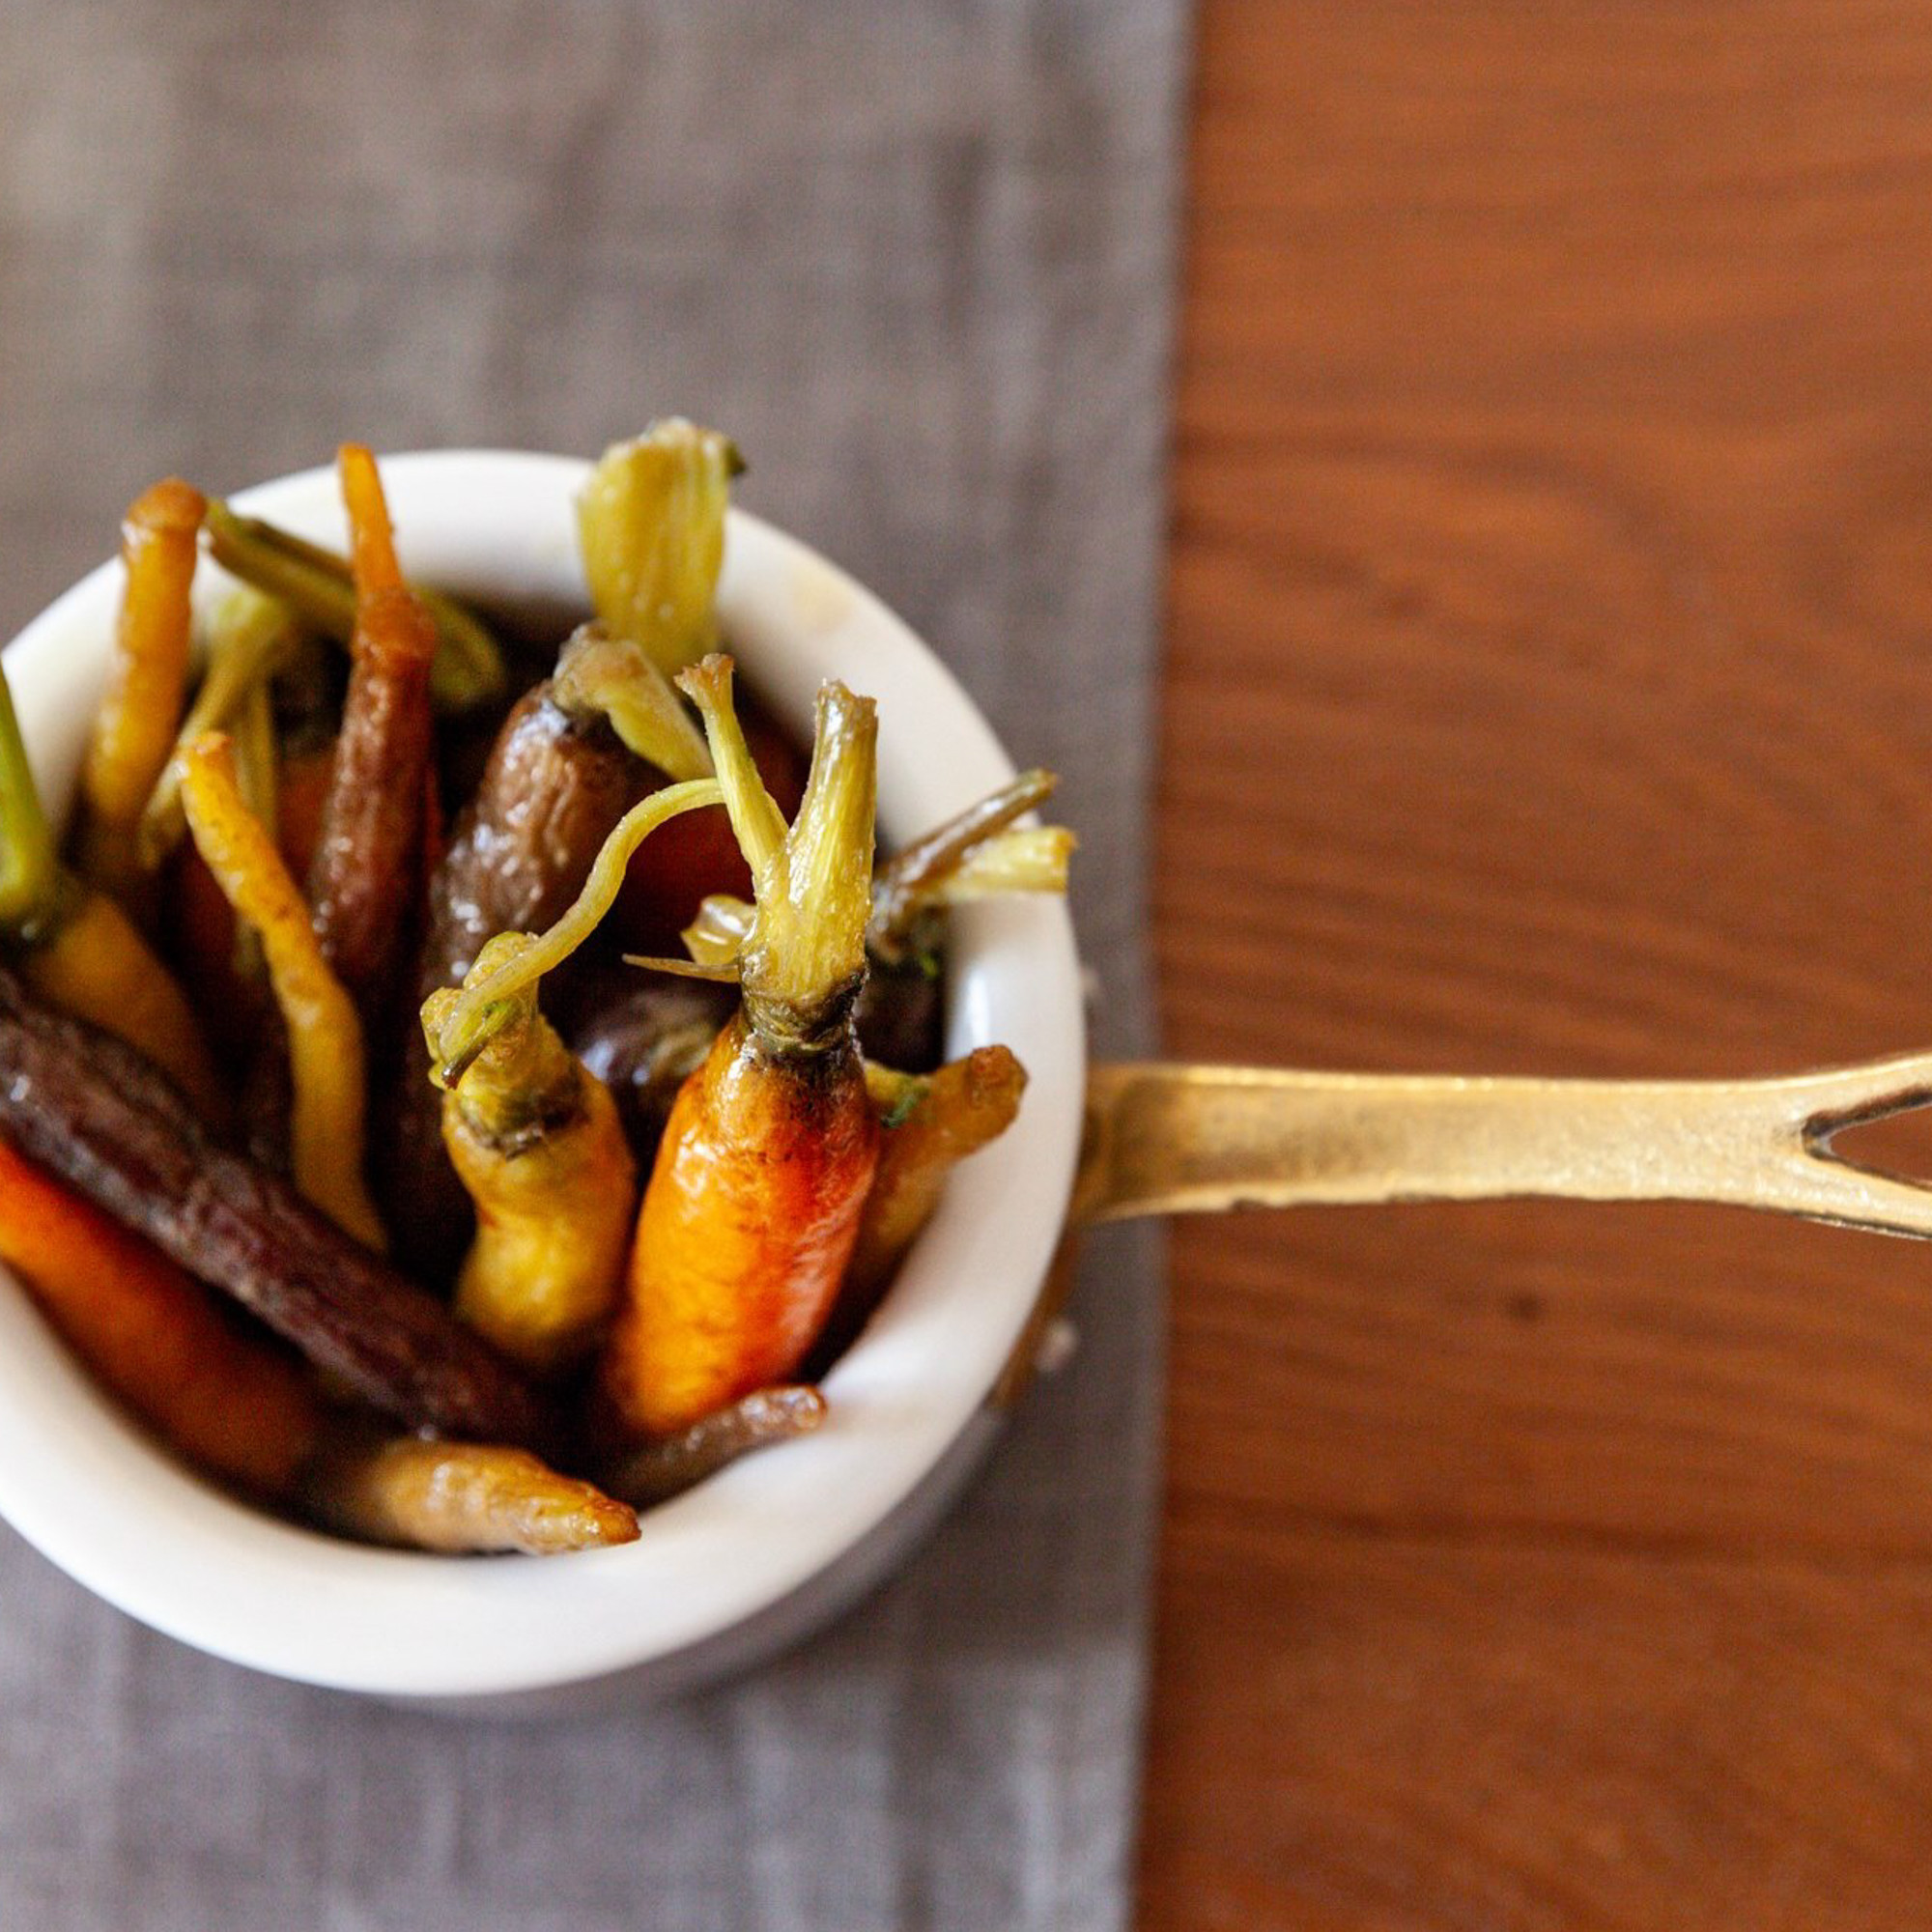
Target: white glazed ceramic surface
[756,1555]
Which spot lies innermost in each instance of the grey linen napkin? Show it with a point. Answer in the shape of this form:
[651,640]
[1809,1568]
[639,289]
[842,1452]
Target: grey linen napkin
[918,259]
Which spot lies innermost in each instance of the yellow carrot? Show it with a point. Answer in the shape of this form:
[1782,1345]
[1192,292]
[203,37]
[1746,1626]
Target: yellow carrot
[462,1498]
[326,1056]
[78,949]
[932,1124]
[536,1141]
[134,730]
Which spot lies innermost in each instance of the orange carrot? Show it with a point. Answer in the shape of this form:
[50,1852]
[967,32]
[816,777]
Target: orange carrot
[153,1335]
[754,1205]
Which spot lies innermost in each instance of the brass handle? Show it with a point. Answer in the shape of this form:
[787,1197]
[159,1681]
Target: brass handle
[1192,1140]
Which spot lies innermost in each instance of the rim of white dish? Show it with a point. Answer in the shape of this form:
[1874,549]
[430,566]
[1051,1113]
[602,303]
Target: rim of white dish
[97,1496]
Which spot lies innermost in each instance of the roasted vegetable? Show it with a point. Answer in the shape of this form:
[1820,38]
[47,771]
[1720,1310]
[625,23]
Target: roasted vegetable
[316,584]
[650,524]
[134,728]
[753,1203]
[325,1039]
[225,1401]
[97,1117]
[534,1136]
[655,1471]
[557,780]
[368,874]
[78,948]
[536,1141]
[932,1123]
[462,1498]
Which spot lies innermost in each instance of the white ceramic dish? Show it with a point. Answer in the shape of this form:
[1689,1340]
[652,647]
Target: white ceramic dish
[762,1553]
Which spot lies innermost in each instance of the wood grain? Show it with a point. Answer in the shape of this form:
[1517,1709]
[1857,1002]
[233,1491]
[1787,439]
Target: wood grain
[1549,690]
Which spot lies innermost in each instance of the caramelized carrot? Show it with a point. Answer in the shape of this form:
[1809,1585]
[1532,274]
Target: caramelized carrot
[78,948]
[135,727]
[537,1144]
[325,1037]
[203,935]
[754,1200]
[102,1120]
[465,1497]
[655,1471]
[534,1134]
[368,869]
[153,1335]
[932,1124]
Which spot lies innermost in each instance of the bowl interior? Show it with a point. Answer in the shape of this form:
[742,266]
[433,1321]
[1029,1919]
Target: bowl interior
[88,1488]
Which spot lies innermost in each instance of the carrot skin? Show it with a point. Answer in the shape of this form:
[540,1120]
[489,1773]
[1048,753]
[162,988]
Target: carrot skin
[153,1335]
[746,1228]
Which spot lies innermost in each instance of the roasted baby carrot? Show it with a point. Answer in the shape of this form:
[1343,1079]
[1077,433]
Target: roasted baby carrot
[930,1123]
[97,1116]
[150,1333]
[753,1203]
[534,1134]
[325,1037]
[462,1498]
[134,729]
[78,948]
[655,1471]
[367,875]
[537,1144]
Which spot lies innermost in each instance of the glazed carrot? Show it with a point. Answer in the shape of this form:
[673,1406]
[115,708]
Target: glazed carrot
[78,948]
[753,1203]
[465,1497]
[368,869]
[153,1335]
[536,1142]
[932,1123]
[534,1135]
[101,1119]
[325,1036]
[651,526]
[220,956]
[655,1471]
[316,584]
[135,727]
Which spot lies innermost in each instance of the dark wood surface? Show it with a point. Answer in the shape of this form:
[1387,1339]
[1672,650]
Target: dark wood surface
[1549,690]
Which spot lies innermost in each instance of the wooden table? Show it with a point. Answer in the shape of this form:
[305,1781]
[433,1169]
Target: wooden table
[1551,690]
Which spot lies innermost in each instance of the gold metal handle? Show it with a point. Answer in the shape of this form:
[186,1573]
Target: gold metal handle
[1194,1140]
